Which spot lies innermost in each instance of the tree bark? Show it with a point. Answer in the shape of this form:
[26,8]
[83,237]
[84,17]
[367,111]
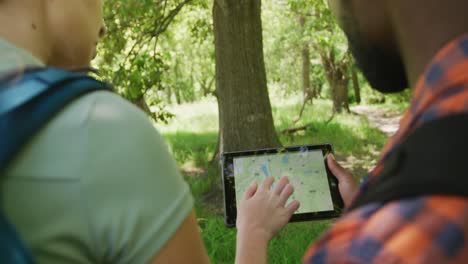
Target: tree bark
[177,92]
[245,117]
[336,74]
[308,93]
[341,95]
[357,88]
[169,94]
[306,85]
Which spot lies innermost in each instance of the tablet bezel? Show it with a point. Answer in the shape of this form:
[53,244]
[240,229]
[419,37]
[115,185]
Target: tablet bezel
[227,166]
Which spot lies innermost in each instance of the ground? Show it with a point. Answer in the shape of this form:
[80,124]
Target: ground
[382,119]
[386,121]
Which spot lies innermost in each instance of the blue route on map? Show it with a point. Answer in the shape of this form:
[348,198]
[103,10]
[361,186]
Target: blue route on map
[265,171]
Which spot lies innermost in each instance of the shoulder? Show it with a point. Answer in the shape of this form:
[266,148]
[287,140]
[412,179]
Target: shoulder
[125,181]
[117,131]
[104,106]
[133,187]
[99,116]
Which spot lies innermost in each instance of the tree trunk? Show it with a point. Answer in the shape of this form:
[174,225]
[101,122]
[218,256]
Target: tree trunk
[317,91]
[357,88]
[206,85]
[245,118]
[306,86]
[336,73]
[339,87]
[169,94]
[341,95]
[178,96]
[177,92]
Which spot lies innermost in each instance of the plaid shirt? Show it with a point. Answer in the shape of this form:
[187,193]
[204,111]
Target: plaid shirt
[431,229]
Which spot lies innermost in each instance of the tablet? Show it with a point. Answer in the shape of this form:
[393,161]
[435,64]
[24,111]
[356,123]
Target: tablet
[315,186]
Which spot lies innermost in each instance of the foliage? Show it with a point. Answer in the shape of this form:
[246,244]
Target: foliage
[130,56]
[161,52]
[285,38]
[190,59]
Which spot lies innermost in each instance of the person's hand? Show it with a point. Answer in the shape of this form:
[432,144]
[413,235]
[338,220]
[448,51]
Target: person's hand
[263,212]
[346,183]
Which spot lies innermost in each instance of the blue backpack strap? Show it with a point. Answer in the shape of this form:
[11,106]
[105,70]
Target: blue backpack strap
[12,249]
[27,104]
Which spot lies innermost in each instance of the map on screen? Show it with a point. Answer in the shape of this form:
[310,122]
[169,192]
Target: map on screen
[306,171]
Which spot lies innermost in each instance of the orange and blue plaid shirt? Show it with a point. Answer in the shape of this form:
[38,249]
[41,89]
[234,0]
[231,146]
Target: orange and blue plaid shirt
[430,229]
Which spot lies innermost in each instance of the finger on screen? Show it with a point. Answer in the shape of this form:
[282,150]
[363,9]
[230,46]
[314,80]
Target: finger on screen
[251,190]
[293,206]
[281,184]
[267,183]
[286,193]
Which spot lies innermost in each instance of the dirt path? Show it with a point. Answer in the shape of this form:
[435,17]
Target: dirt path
[387,122]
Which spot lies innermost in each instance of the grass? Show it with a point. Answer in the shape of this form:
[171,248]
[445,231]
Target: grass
[192,149]
[396,107]
[192,137]
[350,134]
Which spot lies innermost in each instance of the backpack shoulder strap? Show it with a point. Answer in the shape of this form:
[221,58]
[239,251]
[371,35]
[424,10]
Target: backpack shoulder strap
[28,103]
[12,249]
[431,161]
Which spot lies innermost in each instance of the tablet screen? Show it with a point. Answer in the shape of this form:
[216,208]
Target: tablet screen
[305,170]
[305,166]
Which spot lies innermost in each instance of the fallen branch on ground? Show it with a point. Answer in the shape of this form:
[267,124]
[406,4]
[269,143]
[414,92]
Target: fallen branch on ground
[293,130]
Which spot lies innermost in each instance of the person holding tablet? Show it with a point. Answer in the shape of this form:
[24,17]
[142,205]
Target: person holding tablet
[413,208]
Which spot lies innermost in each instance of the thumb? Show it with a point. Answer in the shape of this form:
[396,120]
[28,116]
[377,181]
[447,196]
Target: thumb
[340,173]
[347,185]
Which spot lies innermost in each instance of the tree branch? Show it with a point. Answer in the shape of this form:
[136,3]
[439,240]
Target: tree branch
[293,130]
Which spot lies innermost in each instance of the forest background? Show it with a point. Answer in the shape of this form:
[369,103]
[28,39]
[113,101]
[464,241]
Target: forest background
[228,75]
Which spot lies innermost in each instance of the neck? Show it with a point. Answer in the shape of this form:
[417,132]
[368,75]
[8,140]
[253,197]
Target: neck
[420,36]
[24,27]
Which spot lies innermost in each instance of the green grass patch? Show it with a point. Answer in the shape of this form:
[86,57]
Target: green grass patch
[192,149]
[350,134]
[290,245]
[398,107]
[287,247]
[219,240]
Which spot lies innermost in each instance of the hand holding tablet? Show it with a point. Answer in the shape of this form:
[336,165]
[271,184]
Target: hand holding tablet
[306,168]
